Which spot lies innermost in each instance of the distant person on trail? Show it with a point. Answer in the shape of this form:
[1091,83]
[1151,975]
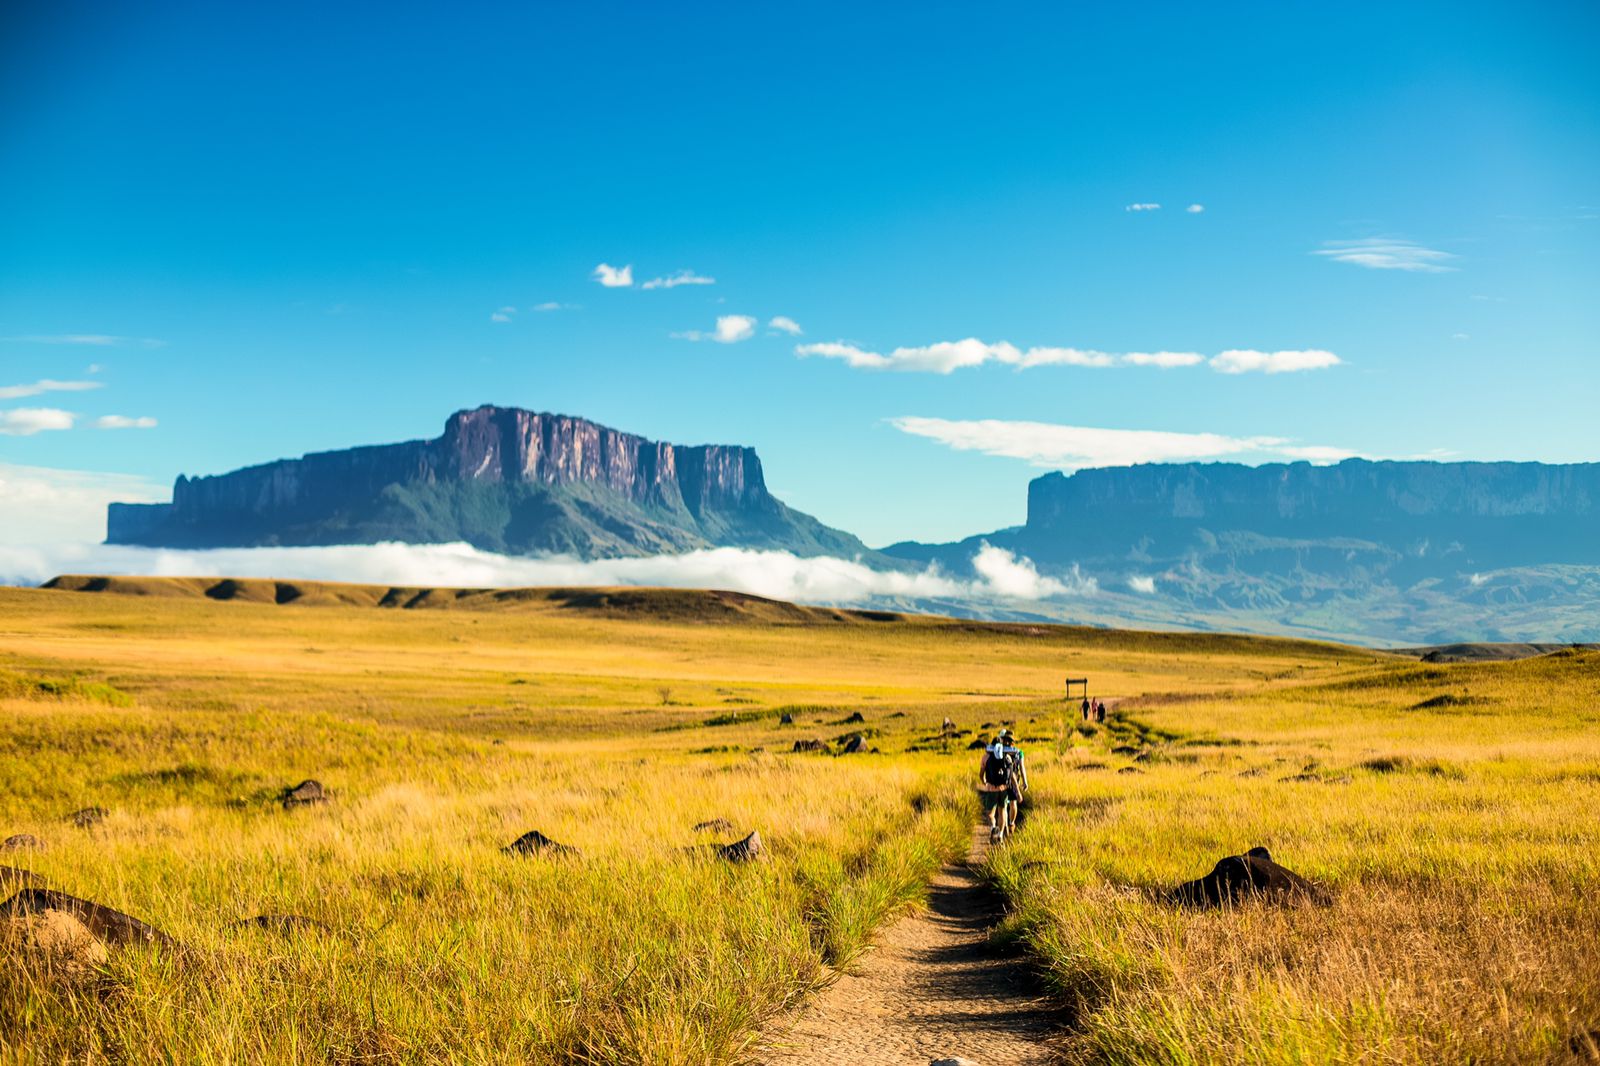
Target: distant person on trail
[1019,777]
[1086,709]
[996,770]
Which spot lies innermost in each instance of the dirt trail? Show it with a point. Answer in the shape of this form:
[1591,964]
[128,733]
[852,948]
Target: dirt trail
[933,988]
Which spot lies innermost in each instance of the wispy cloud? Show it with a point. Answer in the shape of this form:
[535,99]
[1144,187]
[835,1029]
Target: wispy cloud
[553,305]
[614,277]
[17,392]
[1195,209]
[1142,207]
[1249,361]
[1000,574]
[785,324]
[26,421]
[504,315]
[124,422]
[730,330]
[948,356]
[1387,253]
[1055,446]
[681,277]
[101,340]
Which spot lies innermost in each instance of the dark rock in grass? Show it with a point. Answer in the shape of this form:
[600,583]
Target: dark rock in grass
[853,743]
[978,743]
[534,842]
[20,842]
[810,745]
[1090,766]
[856,717]
[307,793]
[1130,770]
[898,714]
[108,926]
[786,718]
[1253,875]
[13,878]
[281,924]
[88,817]
[747,850]
[1124,749]
[714,825]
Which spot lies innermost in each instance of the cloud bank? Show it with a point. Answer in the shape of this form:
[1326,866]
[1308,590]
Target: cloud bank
[42,505]
[1001,575]
[946,357]
[1045,444]
[17,392]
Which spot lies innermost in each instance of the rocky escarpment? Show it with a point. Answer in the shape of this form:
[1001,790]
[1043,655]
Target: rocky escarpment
[1405,550]
[502,479]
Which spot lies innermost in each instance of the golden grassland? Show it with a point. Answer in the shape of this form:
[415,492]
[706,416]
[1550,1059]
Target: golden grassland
[1458,837]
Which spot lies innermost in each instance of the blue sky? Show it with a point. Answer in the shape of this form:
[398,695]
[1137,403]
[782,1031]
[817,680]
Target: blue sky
[272,229]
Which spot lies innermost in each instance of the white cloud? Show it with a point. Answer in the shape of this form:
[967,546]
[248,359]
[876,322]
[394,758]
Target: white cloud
[1461,336]
[1142,584]
[1055,446]
[26,421]
[1246,361]
[17,392]
[614,277]
[1142,207]
[1001,575]
[62,507]
[1195,209]
[1163,359]
[553,305]
[681,277]
[948,356]
[124,422]
[505,314]
[730,330]
[1387,253]
[785,324]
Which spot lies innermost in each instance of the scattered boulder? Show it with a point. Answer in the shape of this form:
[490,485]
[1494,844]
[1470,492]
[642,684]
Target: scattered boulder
[716,825]
[1124,749]
[19,841]
[13,878]
[747,850]
[306,794]
[810,745]
[61,938]
[786,718]
[88,817]
[853,743]
[281,924]
[105,924]
[1089,766]
[855,717]
[978,743]
[534,842]
[1130,770]
[1249,876]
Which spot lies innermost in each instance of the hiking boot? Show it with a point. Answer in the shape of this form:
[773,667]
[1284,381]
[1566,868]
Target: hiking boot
[994,834]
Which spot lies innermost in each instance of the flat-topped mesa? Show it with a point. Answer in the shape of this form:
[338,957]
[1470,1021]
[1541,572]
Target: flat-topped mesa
[499,478]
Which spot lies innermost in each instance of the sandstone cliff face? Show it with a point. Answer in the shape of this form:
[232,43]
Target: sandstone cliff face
[495,445]
[500,478]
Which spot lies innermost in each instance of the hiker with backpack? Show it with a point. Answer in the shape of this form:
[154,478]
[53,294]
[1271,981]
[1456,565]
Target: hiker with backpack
[996,774]
[1019,778]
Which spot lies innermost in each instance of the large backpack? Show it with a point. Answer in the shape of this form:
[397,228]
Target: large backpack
[998,770]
